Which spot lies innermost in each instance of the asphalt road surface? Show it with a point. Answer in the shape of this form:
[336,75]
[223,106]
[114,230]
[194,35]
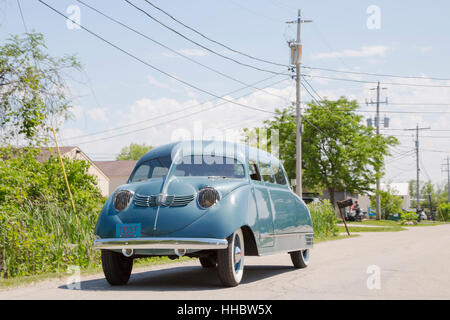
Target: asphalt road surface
[413,264]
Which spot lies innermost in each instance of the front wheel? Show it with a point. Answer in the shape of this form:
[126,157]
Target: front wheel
[230,261]
[300,258]
[116,267]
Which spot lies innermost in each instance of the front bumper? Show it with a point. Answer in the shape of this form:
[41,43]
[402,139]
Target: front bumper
[161,243]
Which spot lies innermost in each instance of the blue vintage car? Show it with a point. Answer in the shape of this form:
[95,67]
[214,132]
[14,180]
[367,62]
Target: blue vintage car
[217,201]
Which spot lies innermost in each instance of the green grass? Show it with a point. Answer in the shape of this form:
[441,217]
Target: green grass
[337,237]
[371,229]
[26,280]
[390,223]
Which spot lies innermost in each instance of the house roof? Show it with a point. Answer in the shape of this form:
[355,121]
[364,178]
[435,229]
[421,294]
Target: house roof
[45,152]
[118,168]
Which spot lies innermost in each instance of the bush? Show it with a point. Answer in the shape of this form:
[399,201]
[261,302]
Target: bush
[39,232]
[323,219]
[409,216]
[444,212]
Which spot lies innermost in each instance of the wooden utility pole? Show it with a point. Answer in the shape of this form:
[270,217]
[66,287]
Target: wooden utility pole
[296,57]
[377,125]
[417,165]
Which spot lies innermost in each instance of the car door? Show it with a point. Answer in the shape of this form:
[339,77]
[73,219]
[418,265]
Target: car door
[284,202]
[263,206]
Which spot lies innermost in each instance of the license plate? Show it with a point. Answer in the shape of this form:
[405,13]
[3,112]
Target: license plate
[128,230]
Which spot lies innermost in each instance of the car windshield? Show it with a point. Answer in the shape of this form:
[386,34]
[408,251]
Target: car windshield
[154,168]
[216,166]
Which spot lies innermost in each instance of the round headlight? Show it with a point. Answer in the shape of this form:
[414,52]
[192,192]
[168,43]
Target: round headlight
[207,197]
[122,199]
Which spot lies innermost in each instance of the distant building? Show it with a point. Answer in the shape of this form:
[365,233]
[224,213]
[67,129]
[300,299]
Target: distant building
[117,171]
[400,189]
[75,153]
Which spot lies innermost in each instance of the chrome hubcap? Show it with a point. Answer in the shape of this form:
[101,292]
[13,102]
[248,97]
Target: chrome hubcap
[237,254]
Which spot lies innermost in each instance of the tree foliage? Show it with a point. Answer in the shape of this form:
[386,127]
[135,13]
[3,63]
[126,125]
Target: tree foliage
[39,232]
[338,151]
[133,152]
[390,202]
[33,93]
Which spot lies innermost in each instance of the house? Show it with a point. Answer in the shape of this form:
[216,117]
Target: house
[117,171]
[76,153]
[400,189]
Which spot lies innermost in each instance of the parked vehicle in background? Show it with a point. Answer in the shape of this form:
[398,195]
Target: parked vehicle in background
[216,201]
[310,198]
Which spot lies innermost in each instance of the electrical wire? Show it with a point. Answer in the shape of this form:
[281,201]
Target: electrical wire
[22,16]
[377,74]
[172,50]
[374,82]
[173,112]
[212,40]
[158,124]
[196,43]
[151,66]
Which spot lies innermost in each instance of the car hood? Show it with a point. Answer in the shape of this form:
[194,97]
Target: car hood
[160,221]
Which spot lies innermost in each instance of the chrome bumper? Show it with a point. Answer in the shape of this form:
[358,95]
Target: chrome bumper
[161,243]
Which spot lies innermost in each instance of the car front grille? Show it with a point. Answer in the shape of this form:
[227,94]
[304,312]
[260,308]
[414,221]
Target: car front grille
[169,201]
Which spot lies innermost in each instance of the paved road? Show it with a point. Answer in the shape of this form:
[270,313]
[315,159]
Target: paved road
[414,264]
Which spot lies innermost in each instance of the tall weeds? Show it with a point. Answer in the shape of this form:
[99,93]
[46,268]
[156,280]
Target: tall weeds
[323,219]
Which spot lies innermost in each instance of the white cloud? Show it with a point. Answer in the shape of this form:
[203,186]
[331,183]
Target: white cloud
[364,51]
[98,114]
[77,112]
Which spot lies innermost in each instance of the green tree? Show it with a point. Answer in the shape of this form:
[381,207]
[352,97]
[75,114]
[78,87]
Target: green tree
[133,152]
[390,202]
[338,151]
[33,94]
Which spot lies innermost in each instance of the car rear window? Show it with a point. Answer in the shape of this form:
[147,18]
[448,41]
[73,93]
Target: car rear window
[199,166]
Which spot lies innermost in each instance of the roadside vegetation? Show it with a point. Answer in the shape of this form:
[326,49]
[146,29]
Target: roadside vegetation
[324,221]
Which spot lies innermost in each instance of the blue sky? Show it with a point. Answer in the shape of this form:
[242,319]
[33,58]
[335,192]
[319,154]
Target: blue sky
[115,90]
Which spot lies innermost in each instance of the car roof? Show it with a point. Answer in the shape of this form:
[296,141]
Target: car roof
[239,151]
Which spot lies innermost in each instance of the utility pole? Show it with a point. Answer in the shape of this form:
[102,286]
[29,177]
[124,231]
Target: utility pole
[417,165]
[447,169]
[296,58]
[377,124]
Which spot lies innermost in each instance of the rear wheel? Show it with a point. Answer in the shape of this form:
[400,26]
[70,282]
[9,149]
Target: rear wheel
[116,267]
[300,258]
[230,261]
[208,262]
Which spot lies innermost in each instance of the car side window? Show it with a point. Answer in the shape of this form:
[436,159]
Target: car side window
[266,172]
[279,174]
[253,171]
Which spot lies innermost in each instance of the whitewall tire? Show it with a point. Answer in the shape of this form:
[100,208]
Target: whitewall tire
[230,261]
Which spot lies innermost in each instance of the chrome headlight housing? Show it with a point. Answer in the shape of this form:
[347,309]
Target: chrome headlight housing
[207,197]
[122,199]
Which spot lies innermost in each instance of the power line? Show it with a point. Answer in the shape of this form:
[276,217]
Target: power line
[158,124]
[172,50]
[196,43]
[405,135]
[374,82]
[153,67]
[212,40]
[378,74]
[398,129]
[170,113]
[22,16]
